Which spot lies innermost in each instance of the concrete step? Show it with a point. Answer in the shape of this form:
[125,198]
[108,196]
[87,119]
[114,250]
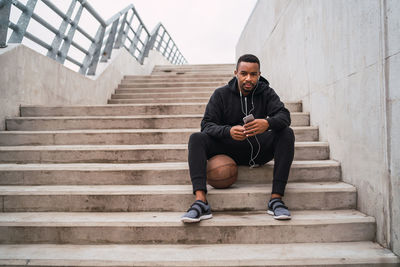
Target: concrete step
[195,66]
[195,95]
[159,100]
[120,122]
[122,110]
[170,90]
[171,85]
[341,254]
[194,73]
[180,76]
[146,79]
[206,69]
[128,153]
[190,69]
[114,110]
[152,173]
[165,228]
[119,136]
[138,198]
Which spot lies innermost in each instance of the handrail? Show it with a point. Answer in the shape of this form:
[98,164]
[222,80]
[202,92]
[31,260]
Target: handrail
[124,29]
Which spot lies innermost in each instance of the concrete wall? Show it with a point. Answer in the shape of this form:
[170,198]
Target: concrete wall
[29,78]
[342,59]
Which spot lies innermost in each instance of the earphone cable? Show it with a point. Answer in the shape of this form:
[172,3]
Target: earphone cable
[252,162]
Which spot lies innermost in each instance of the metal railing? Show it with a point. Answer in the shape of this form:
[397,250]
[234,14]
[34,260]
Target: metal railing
[124,29]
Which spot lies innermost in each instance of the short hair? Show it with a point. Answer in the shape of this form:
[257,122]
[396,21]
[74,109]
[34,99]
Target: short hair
[248,58]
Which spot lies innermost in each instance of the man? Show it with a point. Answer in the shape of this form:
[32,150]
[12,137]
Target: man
[223,131]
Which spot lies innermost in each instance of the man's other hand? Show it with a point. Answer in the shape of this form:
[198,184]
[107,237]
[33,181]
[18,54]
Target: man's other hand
[256,126]
[237,133]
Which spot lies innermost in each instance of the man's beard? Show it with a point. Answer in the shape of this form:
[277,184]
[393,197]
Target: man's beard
[248,90]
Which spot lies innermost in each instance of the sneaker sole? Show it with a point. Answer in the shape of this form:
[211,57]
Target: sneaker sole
[280,217]
[194,220]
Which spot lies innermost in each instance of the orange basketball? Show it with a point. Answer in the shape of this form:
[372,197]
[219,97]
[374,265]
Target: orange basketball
[222,171]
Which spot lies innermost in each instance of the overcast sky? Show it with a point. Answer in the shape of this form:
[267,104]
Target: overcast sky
[206,31]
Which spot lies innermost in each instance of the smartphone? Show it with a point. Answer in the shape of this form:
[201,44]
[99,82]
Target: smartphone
[248,118]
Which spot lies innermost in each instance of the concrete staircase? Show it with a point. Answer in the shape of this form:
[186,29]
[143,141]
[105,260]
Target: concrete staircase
[106,186]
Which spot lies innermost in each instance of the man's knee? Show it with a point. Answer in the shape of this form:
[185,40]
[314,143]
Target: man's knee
[287,134]
[197,138]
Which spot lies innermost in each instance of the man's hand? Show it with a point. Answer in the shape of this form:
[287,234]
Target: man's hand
[237,133]
[256,126]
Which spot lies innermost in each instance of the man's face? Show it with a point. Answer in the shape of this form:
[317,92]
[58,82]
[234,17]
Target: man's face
[247,75]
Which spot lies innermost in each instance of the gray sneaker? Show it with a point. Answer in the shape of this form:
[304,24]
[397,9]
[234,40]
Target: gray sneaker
[277,208]
[197,212]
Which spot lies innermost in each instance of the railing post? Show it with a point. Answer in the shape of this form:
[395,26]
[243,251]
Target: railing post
[136,39]
[173,57]
[23,21]
[110,41]
[97,50]
[161,39]
[165,51]
[125,33]
[142,55]
[55,45]
[118,42]
[150,43]
[5,7]
[68,39]
[88,58]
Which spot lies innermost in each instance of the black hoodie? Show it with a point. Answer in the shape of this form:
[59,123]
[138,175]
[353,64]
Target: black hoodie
[225,109]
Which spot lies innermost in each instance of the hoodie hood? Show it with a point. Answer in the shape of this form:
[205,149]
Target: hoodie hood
[262,84]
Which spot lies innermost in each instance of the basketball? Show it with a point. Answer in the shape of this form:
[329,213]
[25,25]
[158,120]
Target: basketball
[222,171]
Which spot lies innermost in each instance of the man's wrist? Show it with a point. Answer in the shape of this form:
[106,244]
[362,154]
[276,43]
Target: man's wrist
[266,119]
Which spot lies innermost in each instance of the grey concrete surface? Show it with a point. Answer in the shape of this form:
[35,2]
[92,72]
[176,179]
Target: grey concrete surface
[115,200]
[341,58]
[152,173]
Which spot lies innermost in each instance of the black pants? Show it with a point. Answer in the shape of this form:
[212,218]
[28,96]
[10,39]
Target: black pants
[277,145]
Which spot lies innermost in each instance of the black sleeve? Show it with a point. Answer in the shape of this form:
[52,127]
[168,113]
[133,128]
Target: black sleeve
[278,115]
[213,117]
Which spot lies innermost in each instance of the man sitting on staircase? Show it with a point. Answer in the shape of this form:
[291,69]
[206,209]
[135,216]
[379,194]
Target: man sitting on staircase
[266,137]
